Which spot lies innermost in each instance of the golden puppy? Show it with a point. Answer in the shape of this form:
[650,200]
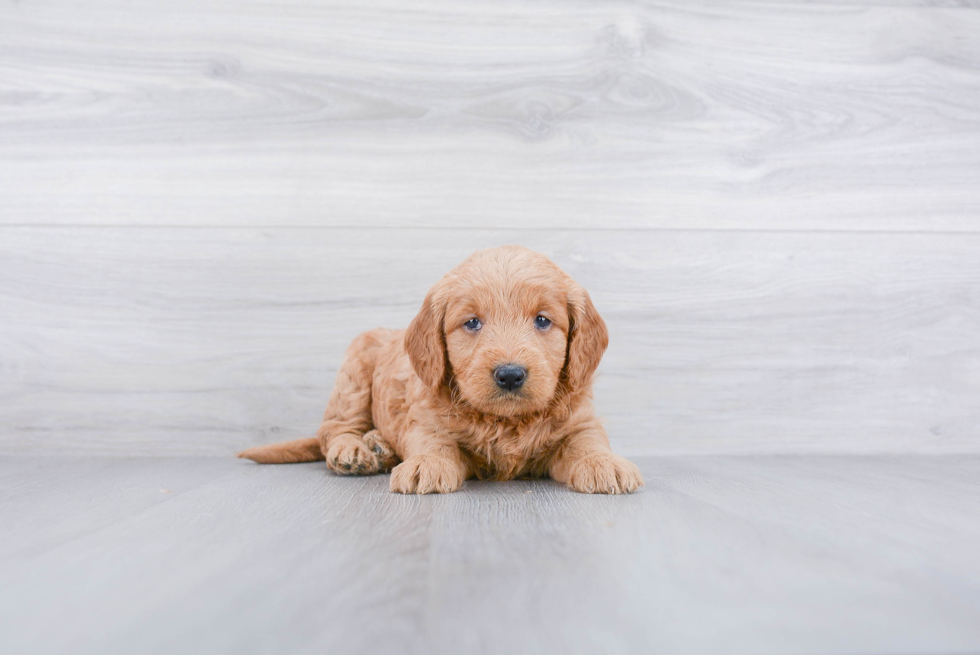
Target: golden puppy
[492,379]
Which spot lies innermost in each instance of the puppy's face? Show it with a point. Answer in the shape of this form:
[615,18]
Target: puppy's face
[507,329]
[506,344]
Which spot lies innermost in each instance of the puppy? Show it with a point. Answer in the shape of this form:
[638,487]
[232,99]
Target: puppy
[492,379]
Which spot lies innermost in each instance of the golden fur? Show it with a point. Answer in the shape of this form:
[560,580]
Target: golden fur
[423,402]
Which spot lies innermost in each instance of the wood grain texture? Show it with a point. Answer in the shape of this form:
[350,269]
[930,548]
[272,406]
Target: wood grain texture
[741,115]
[717,554]
[774,204]
[204,341]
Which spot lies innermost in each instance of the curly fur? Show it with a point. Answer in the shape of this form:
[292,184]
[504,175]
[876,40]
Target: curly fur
[423,404]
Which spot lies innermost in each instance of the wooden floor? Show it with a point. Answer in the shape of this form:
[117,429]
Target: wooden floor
[754,554]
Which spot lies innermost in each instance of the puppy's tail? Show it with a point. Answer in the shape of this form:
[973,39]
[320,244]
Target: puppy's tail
[287,452]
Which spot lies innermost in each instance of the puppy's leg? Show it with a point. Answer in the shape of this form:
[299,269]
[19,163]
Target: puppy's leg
[585,463]
[348,414]
[432,465]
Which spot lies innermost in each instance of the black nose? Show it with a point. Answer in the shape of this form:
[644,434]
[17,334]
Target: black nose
[509,376]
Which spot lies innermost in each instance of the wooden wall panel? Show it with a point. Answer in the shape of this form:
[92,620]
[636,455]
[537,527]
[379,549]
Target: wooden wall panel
[202,341]
[736,115]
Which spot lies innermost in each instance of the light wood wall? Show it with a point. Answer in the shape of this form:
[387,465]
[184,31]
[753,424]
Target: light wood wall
[775,206]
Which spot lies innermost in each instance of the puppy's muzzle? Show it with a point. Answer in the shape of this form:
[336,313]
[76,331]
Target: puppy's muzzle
[509,377]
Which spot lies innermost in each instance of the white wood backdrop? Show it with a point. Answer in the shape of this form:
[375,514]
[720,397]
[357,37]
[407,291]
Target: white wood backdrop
[774,204]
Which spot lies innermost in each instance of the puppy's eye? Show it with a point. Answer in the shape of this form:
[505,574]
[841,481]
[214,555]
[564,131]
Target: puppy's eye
[473,324]
[542,323]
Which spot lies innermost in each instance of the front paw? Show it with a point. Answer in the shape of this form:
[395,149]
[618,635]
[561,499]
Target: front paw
[349,455]
[387,459]
[426,474]
[605,473]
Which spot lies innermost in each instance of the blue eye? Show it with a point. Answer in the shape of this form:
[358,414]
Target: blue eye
[473,324]
[542,323]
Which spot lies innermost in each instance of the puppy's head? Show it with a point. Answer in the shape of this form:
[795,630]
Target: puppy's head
[508,331]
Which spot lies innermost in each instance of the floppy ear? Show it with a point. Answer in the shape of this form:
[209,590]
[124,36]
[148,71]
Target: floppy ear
[587,338]
[425,343]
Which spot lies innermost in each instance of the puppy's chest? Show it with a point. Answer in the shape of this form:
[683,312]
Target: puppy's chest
[505,452]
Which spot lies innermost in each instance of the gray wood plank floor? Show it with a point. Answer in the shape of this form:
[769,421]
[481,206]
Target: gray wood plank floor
[753,554]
